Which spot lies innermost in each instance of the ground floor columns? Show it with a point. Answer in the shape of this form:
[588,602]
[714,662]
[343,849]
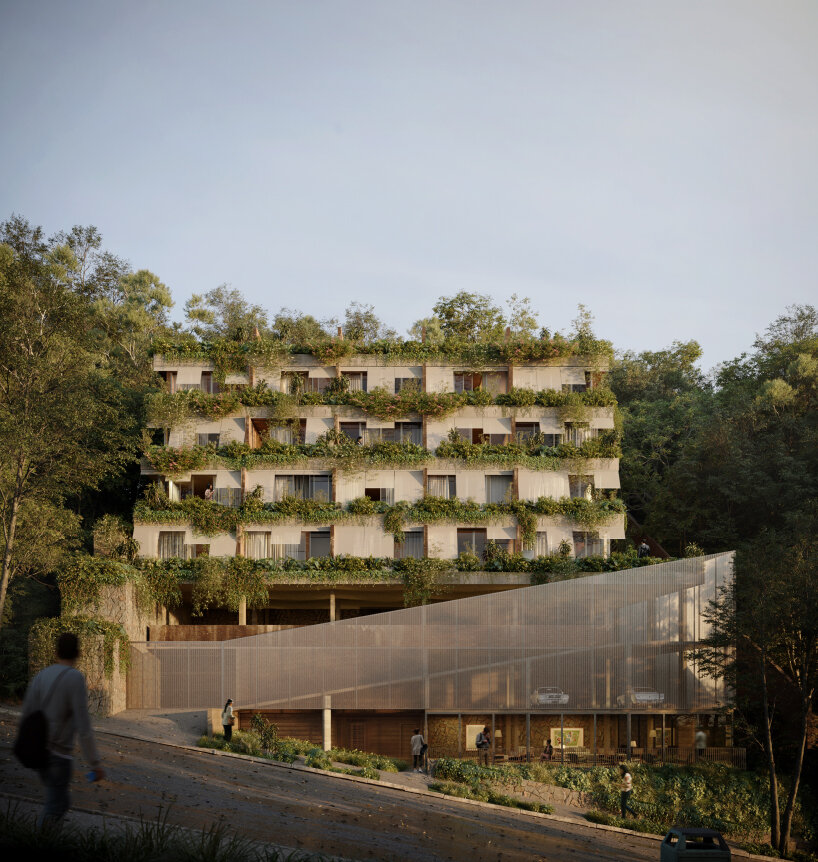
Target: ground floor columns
[243,611]
[327,722]
[332,607]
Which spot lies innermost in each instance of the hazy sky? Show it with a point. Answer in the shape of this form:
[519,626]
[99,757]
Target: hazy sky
[657,160]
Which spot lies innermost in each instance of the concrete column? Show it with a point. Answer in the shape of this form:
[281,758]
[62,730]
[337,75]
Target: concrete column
[327,716]
[243,611]
[628,730]
[332,607]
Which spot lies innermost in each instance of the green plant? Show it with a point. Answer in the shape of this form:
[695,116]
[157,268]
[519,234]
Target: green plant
[99,638]
[267,731]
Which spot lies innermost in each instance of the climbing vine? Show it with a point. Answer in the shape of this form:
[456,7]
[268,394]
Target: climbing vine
[99,638]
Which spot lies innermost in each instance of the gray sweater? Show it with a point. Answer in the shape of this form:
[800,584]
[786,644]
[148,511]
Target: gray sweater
[66,710]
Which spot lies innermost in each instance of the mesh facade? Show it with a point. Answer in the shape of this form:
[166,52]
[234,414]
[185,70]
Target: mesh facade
[609,642]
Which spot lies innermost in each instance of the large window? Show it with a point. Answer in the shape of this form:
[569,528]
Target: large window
[381,495]
[541,544]
[578,432]
[317,543]
[477,436]
[495,382]
[499,489]
[357,380]
[442,486]
[581,486]
[208,439]
[411,546]
[171,544]
[410,383]
[471,541]
[588,545]
[256,545]
[317,488]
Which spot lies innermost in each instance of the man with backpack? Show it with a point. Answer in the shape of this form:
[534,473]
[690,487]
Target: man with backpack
[55,712]
[483,744]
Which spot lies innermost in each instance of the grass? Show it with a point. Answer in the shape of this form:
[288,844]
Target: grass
[149,841]
[288,749]
[481,793]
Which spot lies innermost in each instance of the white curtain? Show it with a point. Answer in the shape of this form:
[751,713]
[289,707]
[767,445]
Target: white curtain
[498,489]
[438,487]
[171,544]
[257,545]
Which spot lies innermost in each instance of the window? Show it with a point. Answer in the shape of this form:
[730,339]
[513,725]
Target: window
[256,545]
[495,382]
[353,430]
[208,439]
[227,496]
[411,547]
[478,436]
[317,488]
[300,381]
[409,383]
[357,380]
[294,431]
[289,552]
[552,439]
[471,542]
[578,387]
[171,544]
[588,545]
[578,432]
[467,381]
[526,430]
[209,385]
[317,544]
[197,551]
[170,380]
[499,489]
[442,486]
[381,495]
[409,432]
[541,544]
[581,486]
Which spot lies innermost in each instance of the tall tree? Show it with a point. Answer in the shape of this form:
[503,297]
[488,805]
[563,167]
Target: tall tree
[469,316]
[64,425]
[362,324]
[521,316]
[224,313]
[771,614]
[295,327]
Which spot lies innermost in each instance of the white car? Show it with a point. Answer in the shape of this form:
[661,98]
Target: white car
[549,695]
[640,696]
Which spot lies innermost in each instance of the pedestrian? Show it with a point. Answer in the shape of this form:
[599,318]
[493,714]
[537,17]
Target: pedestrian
[626,789]
[548,751]
[483,743]
[208,492]
[59,691]
[228,720]
[418,743]
[701,743]
[643,550]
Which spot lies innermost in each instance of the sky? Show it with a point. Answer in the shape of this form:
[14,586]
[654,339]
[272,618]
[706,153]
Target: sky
[655,161]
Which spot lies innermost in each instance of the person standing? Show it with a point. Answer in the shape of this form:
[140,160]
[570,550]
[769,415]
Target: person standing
[59,691]
[417,742]
[483,743]
[643,550]
[228,720]
[701,743]
[626,789]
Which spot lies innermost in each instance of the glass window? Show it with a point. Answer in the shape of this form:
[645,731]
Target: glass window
[499,489]
[208,439]
[318,543]
[588,545]
[171,544]
[317,488]
[467,381]
[442,486]
[471,542]
[409,432]
[525,430]
[581,486]
[411,546]
[256,545]
[357,380]
[541,544]
[402,383]
[495,382]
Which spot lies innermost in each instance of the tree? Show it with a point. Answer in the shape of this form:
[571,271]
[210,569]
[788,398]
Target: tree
[64,423]
[294,327]
[771,614]
[434,331]
[362,324]
[522,319]
[662,396]
[469,316]
[224,313]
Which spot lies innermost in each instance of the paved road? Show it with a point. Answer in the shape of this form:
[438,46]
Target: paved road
[319,813]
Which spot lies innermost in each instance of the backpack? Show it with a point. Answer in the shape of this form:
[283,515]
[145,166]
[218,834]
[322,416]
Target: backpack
[31,745]
[481,740]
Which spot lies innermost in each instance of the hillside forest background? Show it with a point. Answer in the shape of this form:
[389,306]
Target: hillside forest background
[725,459]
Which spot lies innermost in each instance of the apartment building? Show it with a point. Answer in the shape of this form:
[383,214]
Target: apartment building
[514,450]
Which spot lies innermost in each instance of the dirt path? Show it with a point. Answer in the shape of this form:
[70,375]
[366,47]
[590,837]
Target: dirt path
[316,812]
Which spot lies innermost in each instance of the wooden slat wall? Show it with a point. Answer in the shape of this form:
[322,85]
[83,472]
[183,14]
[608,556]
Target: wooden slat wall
[301,725]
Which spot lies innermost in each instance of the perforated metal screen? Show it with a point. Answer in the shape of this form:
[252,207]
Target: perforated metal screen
[614,641]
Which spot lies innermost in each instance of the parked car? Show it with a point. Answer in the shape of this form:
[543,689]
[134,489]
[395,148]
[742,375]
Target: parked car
[548,695]
[640,695]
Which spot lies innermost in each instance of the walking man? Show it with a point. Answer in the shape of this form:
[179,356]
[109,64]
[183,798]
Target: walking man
[626,788]
[417,742]
[59,691]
